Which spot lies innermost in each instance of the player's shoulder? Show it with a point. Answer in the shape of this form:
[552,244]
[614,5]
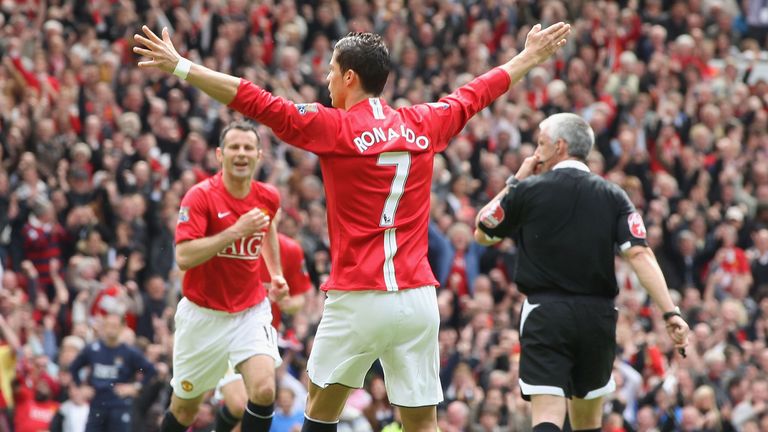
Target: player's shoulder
[424,110]
[266,194]
[289,244]
[130,350]
[316,108]
[204,187]
[266,190]
[606,185]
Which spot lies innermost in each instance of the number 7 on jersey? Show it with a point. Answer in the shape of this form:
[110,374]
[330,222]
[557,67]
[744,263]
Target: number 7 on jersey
[402,163]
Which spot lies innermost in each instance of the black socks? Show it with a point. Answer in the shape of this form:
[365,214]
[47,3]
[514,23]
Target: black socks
[257,418]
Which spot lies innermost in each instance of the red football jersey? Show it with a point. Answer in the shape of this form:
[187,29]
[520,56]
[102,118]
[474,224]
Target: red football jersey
[231,280]
[294,271]
[31,415]
[377,169]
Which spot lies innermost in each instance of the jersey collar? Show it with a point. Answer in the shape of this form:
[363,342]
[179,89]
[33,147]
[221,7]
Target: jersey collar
[571,163]
[366,102]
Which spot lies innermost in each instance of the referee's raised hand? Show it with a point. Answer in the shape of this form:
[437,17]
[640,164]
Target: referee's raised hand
[528,167]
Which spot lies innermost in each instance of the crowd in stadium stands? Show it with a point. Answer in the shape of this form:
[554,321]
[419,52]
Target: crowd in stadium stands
[96,155]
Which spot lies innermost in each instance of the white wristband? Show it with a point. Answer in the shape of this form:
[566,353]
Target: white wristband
[182,68]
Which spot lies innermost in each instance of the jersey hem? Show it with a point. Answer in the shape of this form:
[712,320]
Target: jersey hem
[382,288]
[222,312]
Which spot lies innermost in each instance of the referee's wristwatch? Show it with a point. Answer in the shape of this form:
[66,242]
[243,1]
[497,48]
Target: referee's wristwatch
[670,314]
[512,180]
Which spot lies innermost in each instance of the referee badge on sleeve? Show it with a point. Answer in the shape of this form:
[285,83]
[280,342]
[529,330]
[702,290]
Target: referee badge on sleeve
[493,215]
[636,225]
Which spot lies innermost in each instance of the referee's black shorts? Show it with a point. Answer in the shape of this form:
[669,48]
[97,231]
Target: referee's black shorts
[568,346]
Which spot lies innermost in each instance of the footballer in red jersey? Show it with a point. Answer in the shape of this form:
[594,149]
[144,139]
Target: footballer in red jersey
[231,388]
[296,276]
[376,163]
[223,231]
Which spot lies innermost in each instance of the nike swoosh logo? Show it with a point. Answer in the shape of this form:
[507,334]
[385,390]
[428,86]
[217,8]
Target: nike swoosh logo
[222,214]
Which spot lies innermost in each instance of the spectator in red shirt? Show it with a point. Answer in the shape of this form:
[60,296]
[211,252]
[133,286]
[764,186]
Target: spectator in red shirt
[35,408]
[43,237]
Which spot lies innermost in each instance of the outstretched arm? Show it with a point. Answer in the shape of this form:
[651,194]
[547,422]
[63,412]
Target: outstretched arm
[311,127]
[163,55]
[453,111]
[539,46]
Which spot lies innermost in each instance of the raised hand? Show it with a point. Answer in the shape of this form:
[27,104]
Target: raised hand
[162,53]
[546,42]
[528,167]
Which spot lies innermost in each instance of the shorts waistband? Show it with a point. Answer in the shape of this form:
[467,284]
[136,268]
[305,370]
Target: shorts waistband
[567,296]
[383,291]
[219,313]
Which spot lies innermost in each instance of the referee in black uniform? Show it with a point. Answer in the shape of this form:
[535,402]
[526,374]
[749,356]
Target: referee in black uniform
[569,224]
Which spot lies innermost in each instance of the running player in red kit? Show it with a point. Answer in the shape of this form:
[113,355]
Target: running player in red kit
[377,168]
[296,276]
[231,387]
[225,318]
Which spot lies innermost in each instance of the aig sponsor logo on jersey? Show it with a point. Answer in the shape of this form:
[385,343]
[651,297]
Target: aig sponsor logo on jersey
[246,248]
[379,135]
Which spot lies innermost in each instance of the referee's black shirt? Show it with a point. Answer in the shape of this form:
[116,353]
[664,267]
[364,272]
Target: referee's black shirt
[569,222]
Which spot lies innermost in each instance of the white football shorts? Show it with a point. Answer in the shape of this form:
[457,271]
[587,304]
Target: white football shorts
[397,327]
[207,341]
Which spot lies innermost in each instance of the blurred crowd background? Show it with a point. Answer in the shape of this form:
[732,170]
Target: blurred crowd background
[96,155]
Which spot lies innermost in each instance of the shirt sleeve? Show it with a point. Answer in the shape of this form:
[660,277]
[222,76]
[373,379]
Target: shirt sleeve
[272,198]
[309,126]
[193,216]
[144,366]
[295,270]
[78,363]
[502,217]
[630,229]
[451,113]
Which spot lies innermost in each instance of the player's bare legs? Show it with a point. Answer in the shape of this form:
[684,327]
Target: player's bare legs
[419,419]
[548,412]
[585,415]
[181,413]
[324,406]
[259,377]
[235,398]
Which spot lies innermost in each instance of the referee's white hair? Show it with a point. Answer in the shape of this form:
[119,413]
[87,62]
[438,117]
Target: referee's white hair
[572,129]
